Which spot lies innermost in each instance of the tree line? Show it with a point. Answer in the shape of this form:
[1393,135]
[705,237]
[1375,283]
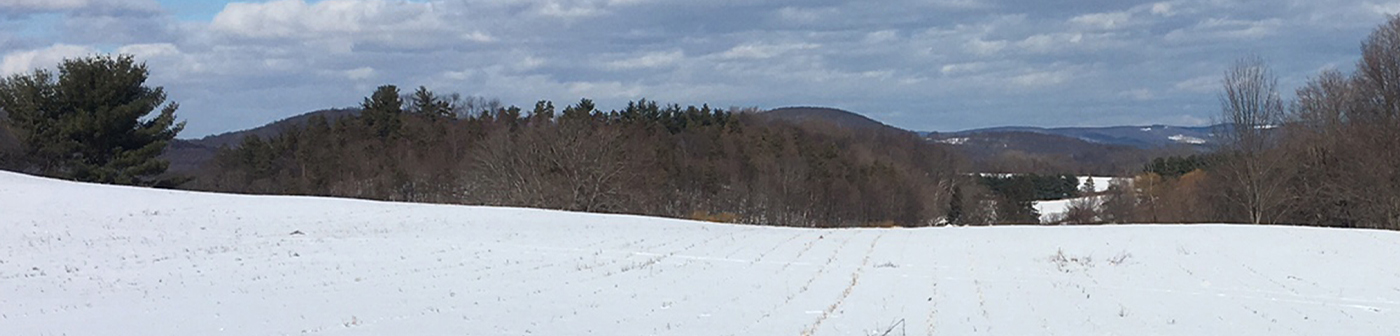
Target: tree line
[646,158]
[1327,158]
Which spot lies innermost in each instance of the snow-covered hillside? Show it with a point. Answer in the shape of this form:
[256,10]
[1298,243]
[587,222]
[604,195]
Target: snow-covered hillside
[1101,183]
[82,259]
[1055,210]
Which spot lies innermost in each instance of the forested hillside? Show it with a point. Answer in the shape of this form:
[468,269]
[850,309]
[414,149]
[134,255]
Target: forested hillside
[693,162]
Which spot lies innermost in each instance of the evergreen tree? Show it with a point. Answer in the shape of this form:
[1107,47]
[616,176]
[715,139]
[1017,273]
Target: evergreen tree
[581,111]
[543,113]
[427,103]
[955,207]
[91,122]
[382,111]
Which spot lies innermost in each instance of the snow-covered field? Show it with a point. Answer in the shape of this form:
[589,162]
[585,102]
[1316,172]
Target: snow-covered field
[1101,183]
[82,259]
[1055,210]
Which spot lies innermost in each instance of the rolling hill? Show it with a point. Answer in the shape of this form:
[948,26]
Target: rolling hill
[1110,150]
[838,117]
[186,155]
[1145,137]
[94,259]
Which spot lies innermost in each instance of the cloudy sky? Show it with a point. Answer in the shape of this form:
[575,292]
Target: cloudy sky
[936,65]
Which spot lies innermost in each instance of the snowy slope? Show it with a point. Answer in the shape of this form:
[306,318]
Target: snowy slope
[84,259]
[1101,183]
[1054,210]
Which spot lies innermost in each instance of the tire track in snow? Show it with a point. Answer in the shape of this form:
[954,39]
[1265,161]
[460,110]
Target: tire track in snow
[389,270]
[1232,260]
[807,286]
[705,263]
[657,272]
[776,246]
[846,292]
[367,271]
[977,287]
[932,324]
[808,247]
[650,259]
[527,290]
[646,251]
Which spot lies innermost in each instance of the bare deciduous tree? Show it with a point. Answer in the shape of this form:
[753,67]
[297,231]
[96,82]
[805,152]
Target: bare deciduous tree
[1252,109]
[1376,123]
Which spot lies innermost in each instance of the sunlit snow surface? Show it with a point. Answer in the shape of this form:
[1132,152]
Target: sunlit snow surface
[83,259]
[1182,138]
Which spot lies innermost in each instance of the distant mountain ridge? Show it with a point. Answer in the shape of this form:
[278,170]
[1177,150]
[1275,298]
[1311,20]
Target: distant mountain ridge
[186,155]
[840,118]
[272,129]
[1145,137]
[1077,144]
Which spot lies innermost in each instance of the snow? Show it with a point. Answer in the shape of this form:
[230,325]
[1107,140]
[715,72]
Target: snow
[1182,138]
[1101,183]
[953,141]
[88,259]
[1054,210]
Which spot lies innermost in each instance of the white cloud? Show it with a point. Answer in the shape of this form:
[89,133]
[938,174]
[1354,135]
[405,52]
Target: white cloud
[1187,120]
[1106,21]
[171,65]
[558,10]
[967,55]
[1202,84]
[800,15]
[648,60]
[762,51]
[959,4]
[42,6]
[1045,43]
[1035,79]
[1385,8]
[881,36]
[1136,16]
[45,58]
[608,89]
[149,50]
[529,62]
[963,68]
[983,47]
[580,9]
[477,36]
[1225,29]
[359,73]
[1138,94]
[398,23]
[1163,9]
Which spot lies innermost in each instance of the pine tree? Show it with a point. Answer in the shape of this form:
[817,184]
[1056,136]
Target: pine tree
[425,102]
[955,207]
[90,122]
[382,111]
